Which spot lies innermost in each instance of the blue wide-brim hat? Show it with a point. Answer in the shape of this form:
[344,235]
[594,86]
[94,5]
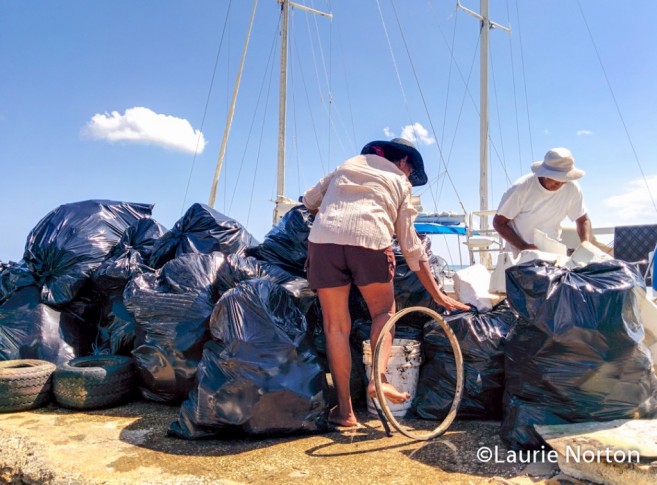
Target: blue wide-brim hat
[419,176]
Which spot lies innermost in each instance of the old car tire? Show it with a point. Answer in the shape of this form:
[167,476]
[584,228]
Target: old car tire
[25,384]
[97,381]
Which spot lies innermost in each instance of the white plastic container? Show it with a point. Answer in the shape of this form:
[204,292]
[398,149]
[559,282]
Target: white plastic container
[403,371]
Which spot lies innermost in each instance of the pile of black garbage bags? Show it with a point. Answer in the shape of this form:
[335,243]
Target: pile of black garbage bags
[566,346]
[228,327]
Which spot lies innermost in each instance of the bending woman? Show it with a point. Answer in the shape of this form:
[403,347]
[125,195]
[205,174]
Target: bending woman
[359,207]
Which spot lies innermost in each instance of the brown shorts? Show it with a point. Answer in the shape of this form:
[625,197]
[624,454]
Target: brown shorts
[331,265]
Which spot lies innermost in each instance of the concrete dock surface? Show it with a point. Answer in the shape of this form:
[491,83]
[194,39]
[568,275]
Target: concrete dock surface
[128,445]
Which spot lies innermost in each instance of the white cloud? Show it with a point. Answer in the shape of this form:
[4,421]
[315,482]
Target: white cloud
[634,205]
[388,132]
[584,132]
[417,133]
[141,125]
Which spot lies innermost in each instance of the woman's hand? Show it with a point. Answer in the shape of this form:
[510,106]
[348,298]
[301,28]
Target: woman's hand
[425,276]
[450,303]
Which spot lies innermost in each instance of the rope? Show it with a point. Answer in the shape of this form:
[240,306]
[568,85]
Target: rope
[620,115]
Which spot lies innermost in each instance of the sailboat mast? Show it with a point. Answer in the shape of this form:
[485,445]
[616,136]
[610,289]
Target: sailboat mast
[486,25]
[282,102]
[283,203]
[483,121]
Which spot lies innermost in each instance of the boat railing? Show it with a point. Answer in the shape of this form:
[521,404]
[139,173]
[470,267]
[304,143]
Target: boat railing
[482,242]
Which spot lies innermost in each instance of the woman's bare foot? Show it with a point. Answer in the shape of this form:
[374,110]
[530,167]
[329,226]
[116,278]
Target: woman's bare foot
[389,391]
[348,421]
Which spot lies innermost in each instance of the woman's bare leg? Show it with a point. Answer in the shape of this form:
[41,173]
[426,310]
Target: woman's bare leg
[380,299]
[337,327]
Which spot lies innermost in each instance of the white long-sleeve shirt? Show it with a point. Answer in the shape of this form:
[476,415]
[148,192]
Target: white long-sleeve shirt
[365,202]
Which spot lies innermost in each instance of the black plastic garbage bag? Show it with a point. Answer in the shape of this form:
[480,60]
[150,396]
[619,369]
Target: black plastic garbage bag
[408,288]
[116,332]
[577,354]
[129,256]
[201,230]
[14,276]
[247,268]
[481,338]
[69,243]
[286,245]
[172,308]
[260,375]
[410,292]
[30,329]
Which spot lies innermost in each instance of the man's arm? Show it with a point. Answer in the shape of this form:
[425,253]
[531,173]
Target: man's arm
[502,226]
[584,228]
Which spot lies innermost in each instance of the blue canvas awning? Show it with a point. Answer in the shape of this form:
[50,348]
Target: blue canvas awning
[428,228]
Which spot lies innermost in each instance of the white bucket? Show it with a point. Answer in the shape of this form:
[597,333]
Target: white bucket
[403,371]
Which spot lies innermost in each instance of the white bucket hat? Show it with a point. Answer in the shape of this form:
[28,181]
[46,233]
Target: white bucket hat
[558,164]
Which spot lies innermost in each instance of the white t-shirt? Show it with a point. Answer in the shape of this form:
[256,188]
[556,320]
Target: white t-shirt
[529,205]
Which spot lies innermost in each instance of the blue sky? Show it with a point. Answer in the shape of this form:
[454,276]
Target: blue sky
[111,100]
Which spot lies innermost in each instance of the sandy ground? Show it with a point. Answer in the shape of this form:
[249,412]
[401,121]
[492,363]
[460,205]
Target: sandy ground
[128,444]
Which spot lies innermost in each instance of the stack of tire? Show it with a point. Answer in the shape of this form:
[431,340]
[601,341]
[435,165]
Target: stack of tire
[93,382]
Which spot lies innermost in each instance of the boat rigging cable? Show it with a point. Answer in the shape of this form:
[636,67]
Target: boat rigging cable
[266,81]
[444,160]
[313,124]
[433,131]
[327,102]
[613,96]
[513,81]
[466,92]
[524,79]
[231,111]
[205,109]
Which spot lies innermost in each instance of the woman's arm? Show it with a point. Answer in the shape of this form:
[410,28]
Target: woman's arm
[425,276]
[313,197]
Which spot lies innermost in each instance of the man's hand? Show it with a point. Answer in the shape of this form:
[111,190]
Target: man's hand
[503,226]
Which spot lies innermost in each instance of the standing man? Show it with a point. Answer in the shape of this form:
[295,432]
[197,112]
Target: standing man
[542,200]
